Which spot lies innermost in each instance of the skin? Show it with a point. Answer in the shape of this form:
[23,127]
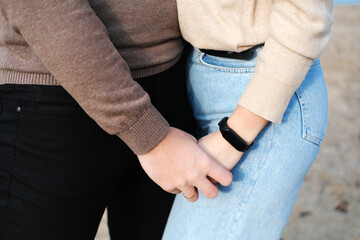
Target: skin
[246,124]
[178,164]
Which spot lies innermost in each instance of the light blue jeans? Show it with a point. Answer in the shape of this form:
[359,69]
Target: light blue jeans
[267,179]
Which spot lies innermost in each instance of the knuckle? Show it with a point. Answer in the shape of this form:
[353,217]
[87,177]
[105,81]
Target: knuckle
[193,176]
[181,182]
[204,164]
[168,188]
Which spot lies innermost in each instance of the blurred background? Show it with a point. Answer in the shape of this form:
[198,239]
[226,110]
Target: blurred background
[328,207]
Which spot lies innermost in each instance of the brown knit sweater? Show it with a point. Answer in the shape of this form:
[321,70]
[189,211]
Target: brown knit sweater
[89,47]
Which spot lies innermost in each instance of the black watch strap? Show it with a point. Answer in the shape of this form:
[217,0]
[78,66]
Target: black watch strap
[232,137]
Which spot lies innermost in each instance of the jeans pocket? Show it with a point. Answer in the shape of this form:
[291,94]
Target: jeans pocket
[313,99]
[49,102]
[228,64]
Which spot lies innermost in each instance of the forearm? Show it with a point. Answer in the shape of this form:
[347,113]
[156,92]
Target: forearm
[75,47]
[246,123]
[298,33]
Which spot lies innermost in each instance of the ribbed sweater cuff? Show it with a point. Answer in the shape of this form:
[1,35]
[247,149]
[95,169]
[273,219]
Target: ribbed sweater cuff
[279,72]
[17,77]
[147,132]
[152,70]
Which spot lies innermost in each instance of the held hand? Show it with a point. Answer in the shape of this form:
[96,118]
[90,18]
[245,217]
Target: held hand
[177,164]
[244,123]
[217,147]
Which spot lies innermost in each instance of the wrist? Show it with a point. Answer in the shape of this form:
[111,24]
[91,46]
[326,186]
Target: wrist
[220,149]
[225,145]
[246,124]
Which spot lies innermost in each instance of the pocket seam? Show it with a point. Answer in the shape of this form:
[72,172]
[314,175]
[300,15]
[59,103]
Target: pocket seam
[225,69]
[306,132]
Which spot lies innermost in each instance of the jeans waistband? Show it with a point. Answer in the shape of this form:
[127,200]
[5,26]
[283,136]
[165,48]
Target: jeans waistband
[36,94]
[245,55]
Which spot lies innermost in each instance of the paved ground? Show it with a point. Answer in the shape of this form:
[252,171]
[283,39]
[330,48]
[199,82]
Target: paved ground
[328,207]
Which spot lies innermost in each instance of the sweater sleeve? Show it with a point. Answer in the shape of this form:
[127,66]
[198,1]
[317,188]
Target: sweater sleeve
[74,45]
[299,30]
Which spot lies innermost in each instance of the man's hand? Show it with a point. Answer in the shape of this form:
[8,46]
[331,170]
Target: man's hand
[177,164]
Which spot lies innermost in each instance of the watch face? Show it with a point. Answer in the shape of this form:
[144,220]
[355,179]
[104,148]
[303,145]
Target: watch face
[233,140]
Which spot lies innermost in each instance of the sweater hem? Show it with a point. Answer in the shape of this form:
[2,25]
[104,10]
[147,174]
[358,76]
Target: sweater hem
[28,78]
[34,78]
[149,71]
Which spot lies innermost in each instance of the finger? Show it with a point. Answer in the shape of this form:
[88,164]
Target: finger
[207,188]
[175,191]
[190,193]
[219,173]
[212,180]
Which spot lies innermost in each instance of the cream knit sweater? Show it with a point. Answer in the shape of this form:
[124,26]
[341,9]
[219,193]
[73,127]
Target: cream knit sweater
[294,31]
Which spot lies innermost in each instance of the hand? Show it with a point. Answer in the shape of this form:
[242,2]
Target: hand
[177,164]
[243,122]
[217,147]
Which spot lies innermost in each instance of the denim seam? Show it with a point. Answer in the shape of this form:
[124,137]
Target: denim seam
[248,193]
[226,69]
[316,62]
[306,131]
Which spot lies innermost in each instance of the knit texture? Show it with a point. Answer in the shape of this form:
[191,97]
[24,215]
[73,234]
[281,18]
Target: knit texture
[94,49]
[294,32]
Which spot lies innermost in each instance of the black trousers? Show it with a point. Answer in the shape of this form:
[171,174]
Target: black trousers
[59,170]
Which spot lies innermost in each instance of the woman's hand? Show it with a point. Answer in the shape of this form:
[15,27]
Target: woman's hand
[246,124]
[217,147]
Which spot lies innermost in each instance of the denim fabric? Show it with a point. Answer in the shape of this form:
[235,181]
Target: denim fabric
[268,177]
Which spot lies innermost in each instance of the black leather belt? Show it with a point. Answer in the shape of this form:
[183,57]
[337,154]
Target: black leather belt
[245,55]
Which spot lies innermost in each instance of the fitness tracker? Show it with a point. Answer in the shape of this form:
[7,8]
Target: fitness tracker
[230,135]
